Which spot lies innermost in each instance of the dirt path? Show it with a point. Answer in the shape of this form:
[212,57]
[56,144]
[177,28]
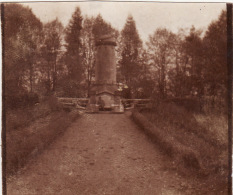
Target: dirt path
[100,154]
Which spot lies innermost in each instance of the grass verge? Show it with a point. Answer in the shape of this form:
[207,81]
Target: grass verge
[23,143]
[184,155]
[184,136]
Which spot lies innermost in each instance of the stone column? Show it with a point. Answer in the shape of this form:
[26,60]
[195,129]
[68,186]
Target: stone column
[105,86]
[105,70]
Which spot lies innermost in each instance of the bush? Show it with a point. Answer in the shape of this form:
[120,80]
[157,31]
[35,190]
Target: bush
[16,118]
[177,119]
[21,99]
[53,103]
[190,104]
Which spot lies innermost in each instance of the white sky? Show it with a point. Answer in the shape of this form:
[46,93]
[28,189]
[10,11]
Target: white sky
[148,15]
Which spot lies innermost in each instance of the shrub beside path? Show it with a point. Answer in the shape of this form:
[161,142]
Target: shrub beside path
[102,154]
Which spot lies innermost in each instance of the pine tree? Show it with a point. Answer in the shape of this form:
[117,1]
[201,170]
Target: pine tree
[101,27]
[131,45]
[74,46]
[73,56]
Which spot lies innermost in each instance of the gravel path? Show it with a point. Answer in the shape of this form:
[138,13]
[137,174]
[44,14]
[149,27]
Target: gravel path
[100,154]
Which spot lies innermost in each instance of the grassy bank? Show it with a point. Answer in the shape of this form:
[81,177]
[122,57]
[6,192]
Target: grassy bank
[25,138]
[195,141]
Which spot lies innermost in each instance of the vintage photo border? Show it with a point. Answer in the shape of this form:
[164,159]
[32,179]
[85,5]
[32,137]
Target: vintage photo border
[229,8]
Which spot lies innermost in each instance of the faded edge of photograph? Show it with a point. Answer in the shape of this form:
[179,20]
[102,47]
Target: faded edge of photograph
[116,98]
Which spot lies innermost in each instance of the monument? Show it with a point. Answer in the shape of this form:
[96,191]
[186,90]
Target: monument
[104,95]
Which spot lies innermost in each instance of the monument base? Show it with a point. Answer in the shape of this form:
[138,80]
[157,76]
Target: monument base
[94,108]
[105,98]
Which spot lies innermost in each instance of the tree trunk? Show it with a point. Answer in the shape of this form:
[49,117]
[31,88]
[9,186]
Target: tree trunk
[163,77]
[54,74]
[88,88]
[31,77]
[48,79]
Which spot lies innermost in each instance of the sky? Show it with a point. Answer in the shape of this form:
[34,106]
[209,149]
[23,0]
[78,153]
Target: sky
[148,15]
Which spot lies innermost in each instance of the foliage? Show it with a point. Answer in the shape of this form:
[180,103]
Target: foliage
[73,54]
[131,45]
[21,44]
[194,51]
[44,58]
[88,52]
[101,27]
[215,46]
[51,51]
[160,49]
[93,28]
[191,64]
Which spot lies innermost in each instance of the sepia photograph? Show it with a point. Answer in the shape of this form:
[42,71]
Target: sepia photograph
[115,98]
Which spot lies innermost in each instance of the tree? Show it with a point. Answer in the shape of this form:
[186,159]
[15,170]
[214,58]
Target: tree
[32,44]
[51,50]
[93,28]
[101,27]
[144,83]
[186,77]
[215,47]
[21,43]
[194,51]
[131,45]
[73,55]
[161,51]
[88,51]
